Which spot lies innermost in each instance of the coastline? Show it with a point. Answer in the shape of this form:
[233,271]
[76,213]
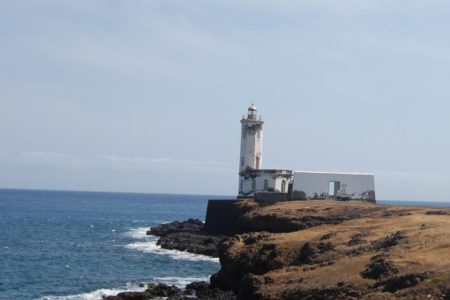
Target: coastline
[87,243]
[367,247]
[186,236]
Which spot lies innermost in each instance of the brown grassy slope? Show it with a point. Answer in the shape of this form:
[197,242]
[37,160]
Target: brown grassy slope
[340,250]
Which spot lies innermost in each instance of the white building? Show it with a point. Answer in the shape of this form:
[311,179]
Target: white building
[323,185]
[252,178]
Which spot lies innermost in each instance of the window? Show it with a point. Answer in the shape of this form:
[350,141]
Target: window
[254,185]
[241,185]
[242,161]
[266,184]
[283,186]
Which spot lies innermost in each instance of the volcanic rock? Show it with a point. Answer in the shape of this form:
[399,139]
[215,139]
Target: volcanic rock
[378,268]
[301,250]
[388,241]
[396,283]
[186,236]
[190,226]
[194,243]
[323,250]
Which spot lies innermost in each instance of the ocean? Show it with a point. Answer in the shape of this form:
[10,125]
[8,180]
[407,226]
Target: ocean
[82,245]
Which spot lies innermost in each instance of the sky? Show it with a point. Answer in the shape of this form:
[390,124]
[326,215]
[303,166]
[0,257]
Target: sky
[147,96]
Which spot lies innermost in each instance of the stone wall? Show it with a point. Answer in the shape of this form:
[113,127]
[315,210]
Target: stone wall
[267,198]
[222,217]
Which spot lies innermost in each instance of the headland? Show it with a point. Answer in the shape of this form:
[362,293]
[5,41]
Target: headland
[320,250]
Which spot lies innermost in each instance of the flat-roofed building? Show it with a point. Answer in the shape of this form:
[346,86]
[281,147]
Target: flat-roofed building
[333,185]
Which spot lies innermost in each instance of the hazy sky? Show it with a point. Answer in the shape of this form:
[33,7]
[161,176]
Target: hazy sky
[146,96]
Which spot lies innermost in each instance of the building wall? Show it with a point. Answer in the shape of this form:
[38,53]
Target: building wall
[268,198]
[316,184]
[273,184]
[279,184]
[245,186]
[222,217]
[251,144]
[259,184]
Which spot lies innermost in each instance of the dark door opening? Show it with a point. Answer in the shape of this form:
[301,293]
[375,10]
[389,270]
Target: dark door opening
[333,188]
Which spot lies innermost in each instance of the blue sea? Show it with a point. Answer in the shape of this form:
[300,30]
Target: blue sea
[82,245]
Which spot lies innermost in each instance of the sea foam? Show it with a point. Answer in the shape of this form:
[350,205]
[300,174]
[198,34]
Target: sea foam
[147,244]
[137,233]
[97,294]
[179,282]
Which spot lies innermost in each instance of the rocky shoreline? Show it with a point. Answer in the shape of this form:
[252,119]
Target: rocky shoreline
[182,236]
[194,290]
[187,236]
[317,250]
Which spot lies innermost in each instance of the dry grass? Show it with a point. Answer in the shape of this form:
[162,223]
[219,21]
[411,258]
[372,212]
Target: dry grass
[424,248]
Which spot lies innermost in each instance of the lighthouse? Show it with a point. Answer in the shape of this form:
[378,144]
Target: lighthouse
[253,179]
[251,141]
[272,185]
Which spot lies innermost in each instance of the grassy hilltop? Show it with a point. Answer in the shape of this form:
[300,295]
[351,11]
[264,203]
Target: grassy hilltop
[330,249]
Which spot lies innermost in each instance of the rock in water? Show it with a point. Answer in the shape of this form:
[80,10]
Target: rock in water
[190,226]
[126,296]
[190,242]
[186,236]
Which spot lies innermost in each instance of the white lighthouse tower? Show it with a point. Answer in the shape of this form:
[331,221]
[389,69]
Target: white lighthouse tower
[253,178]
[251,141]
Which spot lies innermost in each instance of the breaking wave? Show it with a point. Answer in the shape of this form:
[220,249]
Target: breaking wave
[138,233]
[147,244]
[180,282]
[97,294]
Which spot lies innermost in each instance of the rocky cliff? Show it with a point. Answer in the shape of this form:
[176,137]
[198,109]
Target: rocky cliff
[324,250]
[338,250]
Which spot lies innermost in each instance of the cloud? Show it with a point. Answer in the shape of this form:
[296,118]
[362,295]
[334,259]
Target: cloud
[68,162]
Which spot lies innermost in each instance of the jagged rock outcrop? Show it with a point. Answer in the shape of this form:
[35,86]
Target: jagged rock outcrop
[187,236]
[378,268]
[189,226]
[194,243]
[323,250]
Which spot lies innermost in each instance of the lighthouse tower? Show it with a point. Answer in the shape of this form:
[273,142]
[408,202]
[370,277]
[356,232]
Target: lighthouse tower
[251,141]
[253,179]
[250,160]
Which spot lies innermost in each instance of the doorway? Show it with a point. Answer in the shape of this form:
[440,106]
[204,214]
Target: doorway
[283,186]
[333,188]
